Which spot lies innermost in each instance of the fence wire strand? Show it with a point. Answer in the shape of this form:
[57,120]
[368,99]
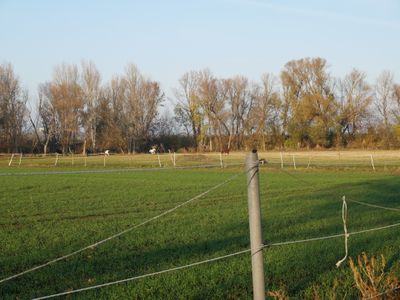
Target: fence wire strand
[144,276]
[266,245]
[122,232]
[354,201]
[119,170]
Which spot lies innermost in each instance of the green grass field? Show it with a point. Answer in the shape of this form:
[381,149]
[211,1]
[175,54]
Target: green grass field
[45,216]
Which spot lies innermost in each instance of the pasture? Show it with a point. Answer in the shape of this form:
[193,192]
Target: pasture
[48,210]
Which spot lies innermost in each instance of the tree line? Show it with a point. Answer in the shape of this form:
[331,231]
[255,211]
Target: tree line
[303,107]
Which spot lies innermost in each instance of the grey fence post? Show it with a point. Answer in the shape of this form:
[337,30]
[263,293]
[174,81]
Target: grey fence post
[256,243]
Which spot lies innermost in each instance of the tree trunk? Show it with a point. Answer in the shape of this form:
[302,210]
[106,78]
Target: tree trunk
[84,147]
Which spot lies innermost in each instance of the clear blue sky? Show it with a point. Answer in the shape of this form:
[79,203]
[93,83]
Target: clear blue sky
[167,38]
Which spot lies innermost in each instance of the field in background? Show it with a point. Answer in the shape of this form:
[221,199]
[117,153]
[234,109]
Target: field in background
[49,215]
[384,160]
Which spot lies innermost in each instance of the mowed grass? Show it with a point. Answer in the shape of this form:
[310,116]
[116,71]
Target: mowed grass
[46,216]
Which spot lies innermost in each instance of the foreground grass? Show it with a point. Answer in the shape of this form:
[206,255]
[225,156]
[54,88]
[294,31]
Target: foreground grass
[46,216]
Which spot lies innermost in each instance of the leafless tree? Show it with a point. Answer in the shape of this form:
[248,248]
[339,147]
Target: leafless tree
[237,119]
[48,115]
[356,97]
[67,102]
[90,96]
[384,104]
[13,109]
[212,101]
[267,110]
[142,98]
[188,109]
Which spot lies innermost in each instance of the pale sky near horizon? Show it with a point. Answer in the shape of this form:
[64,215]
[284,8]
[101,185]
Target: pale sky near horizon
[167,38]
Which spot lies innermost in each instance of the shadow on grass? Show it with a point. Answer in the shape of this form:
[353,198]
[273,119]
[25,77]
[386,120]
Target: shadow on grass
[298,266]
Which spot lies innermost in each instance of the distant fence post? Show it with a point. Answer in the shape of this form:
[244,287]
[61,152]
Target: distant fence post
[170,156]
[20,159]
[253,196]
[55,163]
[11,159]
[159,161]
[220,160]
[281,161]
[372,162]
[294,162]
[309,162]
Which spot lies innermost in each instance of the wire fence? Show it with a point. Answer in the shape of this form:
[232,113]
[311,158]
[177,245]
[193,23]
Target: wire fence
[215,187]
[372,160]
[121,232]
[267,245]
[17,161]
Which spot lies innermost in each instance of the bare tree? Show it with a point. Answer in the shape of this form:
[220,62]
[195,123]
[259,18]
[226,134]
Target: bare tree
[48,115]
[67,102]
[142,98]
[237,119]
[396,95]
[12,109]
[112,122]
[267,109]
[384,104]
[188,110]
[356,97]
[90,97]
[212,101]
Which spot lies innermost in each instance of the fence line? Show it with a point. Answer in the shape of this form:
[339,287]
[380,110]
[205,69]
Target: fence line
[122,232]
[118,170]
[308,164]
[144,276]
[375,206]
[330,236]
[346,234]
[214,259]
[355,201]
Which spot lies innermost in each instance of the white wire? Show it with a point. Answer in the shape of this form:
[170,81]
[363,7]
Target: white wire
[330,236]
[375,206]
[122,232]
[143,276]
[117,170]
[211,260]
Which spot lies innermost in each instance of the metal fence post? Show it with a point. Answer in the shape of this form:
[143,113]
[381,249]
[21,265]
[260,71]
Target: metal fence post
[256,243]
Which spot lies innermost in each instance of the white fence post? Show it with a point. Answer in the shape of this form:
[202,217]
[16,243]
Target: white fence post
[372,163]
[220,160]
[20,159]
[174,159]
[55,163]
[11,159]
[253,196]
[309,162]
[294,162]
[281,161]
[104,162]
[159,161]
